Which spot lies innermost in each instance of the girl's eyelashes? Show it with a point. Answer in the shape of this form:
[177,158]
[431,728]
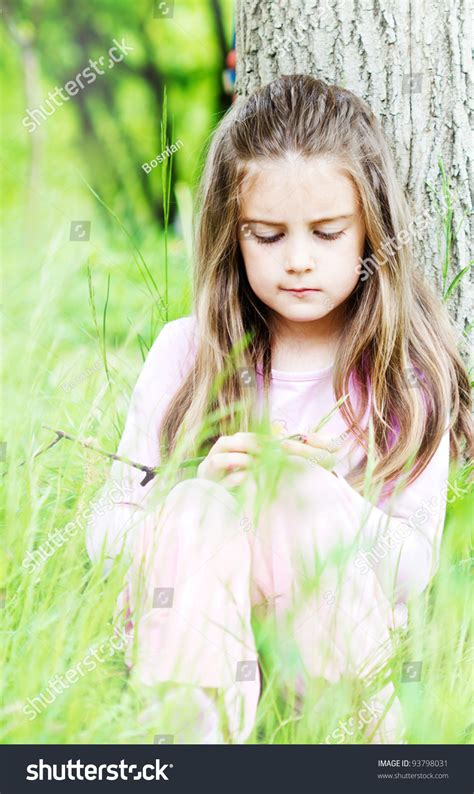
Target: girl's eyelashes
[329,235]
[266,240]
[274,238]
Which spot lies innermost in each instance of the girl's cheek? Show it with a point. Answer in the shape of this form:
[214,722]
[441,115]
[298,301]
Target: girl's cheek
[262,276]
[343,270]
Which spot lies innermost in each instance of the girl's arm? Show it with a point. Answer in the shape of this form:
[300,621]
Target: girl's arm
[404,533]
[125,498]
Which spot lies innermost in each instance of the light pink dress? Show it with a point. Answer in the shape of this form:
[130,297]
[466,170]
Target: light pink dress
[201,564]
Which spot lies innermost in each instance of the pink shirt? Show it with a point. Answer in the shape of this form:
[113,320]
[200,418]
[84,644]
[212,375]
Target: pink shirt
[412,522]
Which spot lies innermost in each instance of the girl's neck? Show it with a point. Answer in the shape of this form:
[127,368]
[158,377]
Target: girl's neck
[304,346]
[300,360]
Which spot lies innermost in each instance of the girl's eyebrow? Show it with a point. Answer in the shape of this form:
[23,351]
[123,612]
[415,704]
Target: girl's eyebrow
[282,223]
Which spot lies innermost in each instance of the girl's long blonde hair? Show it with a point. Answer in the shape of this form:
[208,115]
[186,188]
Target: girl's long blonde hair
[398,347]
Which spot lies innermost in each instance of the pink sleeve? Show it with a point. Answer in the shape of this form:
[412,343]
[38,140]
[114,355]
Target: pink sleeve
[164,369]
[403,533]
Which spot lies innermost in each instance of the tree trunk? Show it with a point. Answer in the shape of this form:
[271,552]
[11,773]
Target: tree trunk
[409,61]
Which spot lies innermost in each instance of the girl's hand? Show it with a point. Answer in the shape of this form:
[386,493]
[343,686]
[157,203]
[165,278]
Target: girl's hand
[317,447]
[228,460]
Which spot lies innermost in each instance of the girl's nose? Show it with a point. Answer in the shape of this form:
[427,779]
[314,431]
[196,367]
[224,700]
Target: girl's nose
[299,257]
[299,264]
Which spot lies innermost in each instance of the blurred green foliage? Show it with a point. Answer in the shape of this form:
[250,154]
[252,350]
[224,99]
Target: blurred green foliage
[112,126]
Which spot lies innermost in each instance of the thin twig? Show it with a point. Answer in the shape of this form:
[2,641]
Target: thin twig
[150,471]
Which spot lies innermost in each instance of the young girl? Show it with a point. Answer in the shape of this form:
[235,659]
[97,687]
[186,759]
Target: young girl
[298,194]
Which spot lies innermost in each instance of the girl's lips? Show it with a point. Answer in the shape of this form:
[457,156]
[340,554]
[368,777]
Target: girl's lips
[299,291]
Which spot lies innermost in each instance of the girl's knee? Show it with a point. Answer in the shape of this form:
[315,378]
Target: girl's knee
[201,508]
[200,490]
[303,481]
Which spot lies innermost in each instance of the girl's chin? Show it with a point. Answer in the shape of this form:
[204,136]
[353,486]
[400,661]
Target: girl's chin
[316,305]
[304,316]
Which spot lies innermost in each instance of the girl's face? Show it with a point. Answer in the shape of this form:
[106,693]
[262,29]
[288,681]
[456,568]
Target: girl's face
[300,229]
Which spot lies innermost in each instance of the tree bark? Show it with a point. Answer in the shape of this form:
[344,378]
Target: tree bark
[409,60]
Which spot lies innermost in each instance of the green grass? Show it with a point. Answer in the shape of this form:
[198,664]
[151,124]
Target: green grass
[52,617]
[81,307]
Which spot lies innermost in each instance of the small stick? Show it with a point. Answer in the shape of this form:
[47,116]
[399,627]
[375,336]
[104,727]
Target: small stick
[150,471]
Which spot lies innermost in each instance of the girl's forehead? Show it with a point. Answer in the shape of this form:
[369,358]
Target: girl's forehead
[298,179]
[292,162]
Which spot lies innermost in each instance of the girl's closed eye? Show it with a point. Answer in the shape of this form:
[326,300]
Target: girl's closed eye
[276,237]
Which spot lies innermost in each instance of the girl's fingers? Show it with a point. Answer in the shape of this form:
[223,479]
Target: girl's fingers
[227,461]
[239,442]
[220,459]
[220,463]
[294,447]
[234,480]
[319,455]
[236,452]
[331,443]
[321,441]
